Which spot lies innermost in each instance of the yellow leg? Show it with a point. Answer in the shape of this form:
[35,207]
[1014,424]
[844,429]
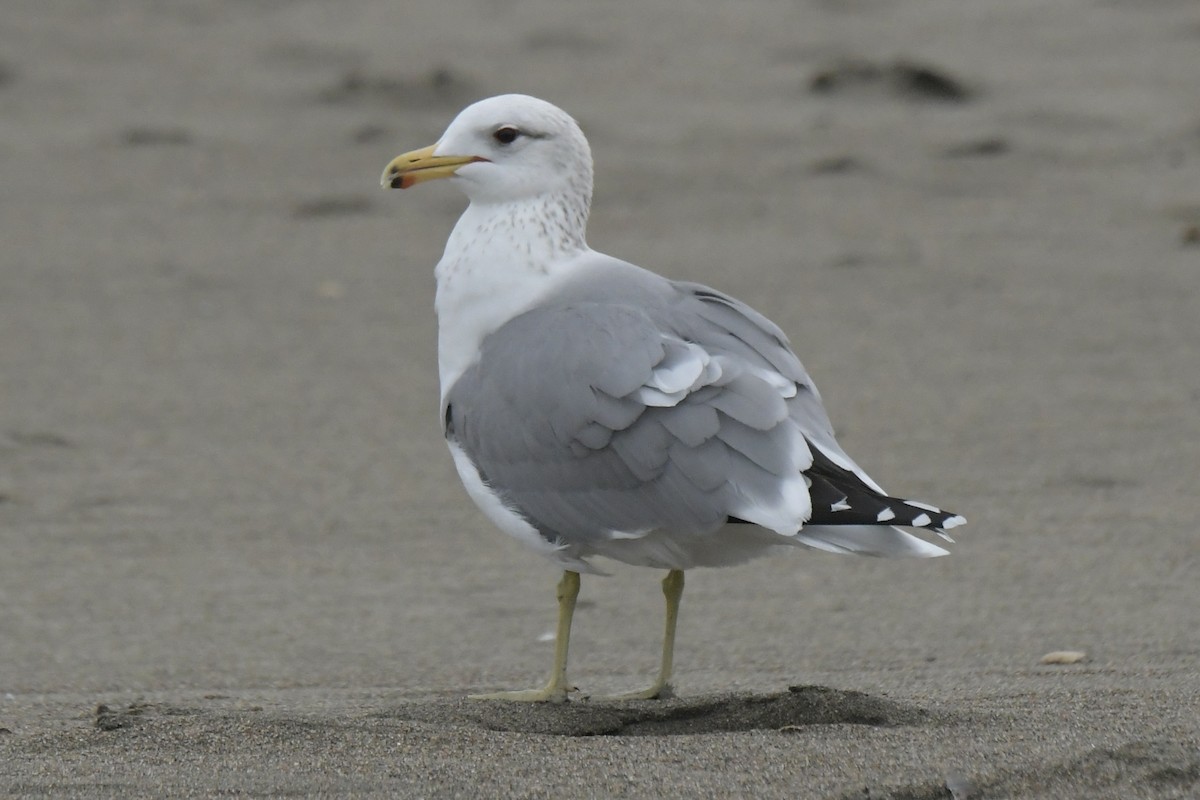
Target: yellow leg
[672,586]
[555,691]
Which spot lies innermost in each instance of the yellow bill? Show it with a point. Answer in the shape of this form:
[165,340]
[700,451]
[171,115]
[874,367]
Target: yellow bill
[418,166]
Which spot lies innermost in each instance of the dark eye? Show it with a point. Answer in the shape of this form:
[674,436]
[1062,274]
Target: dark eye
[506,135]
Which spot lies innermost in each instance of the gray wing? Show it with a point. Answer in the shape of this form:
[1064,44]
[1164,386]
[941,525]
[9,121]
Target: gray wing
[627,403]
[720,323]
[599,421]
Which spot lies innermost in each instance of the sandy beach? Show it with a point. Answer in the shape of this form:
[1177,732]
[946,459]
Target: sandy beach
[235,559]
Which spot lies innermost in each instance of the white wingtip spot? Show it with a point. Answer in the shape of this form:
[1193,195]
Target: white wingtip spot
[921,520]
[615,534]
[840,505]
[885,515]
[954,522]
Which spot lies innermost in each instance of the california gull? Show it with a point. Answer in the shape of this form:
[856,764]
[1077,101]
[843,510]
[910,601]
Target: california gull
[593,408]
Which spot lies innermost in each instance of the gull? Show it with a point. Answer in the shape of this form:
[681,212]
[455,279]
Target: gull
[594,408]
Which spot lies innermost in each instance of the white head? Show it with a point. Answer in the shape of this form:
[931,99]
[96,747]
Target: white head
[527,169]
[503,149]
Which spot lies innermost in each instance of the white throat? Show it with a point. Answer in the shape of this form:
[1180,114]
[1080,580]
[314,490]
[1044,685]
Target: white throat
[500,260]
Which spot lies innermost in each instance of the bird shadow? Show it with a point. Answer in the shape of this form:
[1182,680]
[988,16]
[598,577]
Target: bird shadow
[792,710]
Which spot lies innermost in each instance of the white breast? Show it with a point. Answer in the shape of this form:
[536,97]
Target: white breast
[491,272]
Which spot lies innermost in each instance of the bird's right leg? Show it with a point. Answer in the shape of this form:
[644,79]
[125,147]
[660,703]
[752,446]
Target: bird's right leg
[555,691]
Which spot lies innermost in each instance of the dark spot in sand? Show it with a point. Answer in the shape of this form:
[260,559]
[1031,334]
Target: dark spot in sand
[851,260]
[836,165]
[1094,481]
[440,85]
[1173,768]
[150,136]
[787,712]
[933,790]
[137,714]
[111,719]
[96,502]
[367,134]
[332,207]
[978,148]
[929,83]
[1156,762]
[904,79]
[38,439]
[841,76]
[1191,235]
